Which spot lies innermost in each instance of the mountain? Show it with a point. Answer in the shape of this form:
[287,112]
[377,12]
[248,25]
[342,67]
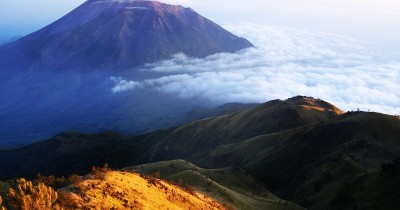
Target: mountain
[109,34]
[302,149]
[61,77]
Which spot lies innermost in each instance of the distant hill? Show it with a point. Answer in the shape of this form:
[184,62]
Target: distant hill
[116,35]
[73,152]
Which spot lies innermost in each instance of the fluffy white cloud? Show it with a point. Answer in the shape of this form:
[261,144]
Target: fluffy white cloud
[286,62]
[123,85]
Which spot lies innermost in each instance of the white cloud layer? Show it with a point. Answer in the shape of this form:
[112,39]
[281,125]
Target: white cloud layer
[286,62]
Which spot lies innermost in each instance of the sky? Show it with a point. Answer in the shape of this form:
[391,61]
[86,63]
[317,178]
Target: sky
[345,52]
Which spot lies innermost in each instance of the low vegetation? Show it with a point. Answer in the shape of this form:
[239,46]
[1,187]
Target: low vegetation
[104,188]
[26,195]
[230,186]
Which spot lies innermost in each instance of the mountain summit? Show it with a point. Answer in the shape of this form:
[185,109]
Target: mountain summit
[119,34]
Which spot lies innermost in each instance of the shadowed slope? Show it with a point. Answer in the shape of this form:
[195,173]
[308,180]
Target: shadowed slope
[271,117]
[308,165]
[72,152]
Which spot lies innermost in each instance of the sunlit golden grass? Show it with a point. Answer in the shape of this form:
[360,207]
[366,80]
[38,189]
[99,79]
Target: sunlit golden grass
[129,190]
[108,190]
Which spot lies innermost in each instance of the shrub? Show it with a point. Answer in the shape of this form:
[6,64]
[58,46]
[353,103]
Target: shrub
[32,197]
[156,175]
[51,181]
[66,201]
[180,183]
[152,181]
[105,168]
[190,190]
[99,172]
[74,178]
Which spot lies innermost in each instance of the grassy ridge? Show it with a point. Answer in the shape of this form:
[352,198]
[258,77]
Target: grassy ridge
[227,185]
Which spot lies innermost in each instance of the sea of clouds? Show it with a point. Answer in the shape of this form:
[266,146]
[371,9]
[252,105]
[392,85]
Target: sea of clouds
[285,62]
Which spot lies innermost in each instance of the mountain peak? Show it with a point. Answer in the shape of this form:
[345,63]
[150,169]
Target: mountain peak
[313,103]
[119,34]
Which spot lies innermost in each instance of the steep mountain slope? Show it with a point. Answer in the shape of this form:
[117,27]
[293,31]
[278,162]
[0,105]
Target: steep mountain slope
[108,34]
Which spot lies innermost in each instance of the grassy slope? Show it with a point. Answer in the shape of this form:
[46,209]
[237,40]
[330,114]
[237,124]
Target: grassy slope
[227,185]
[306,162]
[121,189]
[271,117]
[309,165]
